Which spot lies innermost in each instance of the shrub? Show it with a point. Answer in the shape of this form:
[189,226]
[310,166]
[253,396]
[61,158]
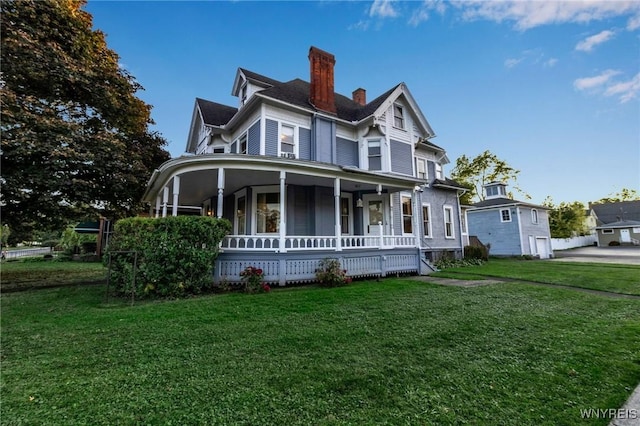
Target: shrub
[252,278]
[331,274]
[614,243]
[447,262]
[175,255]
[476,252]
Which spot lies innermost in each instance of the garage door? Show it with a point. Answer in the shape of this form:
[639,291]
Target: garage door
[542,247]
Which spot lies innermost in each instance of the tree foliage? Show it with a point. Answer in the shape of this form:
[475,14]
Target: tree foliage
[566,220]
[624,195]
[75,138]
[481,170]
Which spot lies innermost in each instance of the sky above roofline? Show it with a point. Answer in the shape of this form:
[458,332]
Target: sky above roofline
[551,87]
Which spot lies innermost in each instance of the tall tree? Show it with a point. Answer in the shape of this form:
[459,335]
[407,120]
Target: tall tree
[482,169]
[75,138]
[566,220]
[625,194]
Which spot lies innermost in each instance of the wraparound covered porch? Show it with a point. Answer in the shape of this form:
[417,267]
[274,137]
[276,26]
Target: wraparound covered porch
[283,205]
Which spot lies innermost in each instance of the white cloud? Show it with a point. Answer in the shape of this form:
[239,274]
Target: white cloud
[634,23]
[531,14]
[589,43]
[627,90]
[550,62]
[587,83]
[360,25]
[421,13]
[383,9]
[510,63]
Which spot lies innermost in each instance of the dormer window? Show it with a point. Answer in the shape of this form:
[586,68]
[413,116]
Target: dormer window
[497,190]
[398,116]
[421,168]
[439,171]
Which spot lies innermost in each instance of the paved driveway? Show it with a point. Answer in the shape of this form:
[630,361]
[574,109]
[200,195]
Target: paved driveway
[629,255]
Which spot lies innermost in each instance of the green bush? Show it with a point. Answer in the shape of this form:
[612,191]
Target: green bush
[175,255]
[447,262]
[476,252]
[614,243]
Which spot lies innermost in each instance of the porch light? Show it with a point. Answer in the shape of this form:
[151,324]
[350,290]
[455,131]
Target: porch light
[379,189]
[359,202]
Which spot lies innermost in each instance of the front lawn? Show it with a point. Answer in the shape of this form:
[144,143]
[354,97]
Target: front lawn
[392,352]
[614,278]
[32,274]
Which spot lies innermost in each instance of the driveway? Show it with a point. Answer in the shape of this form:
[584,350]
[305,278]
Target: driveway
[629,255]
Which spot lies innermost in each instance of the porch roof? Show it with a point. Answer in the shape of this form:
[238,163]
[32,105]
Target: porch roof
[199,176]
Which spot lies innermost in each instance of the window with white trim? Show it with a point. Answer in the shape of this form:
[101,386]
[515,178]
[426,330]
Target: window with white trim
[426,220]
[287,141]
[439,171]
[267,210]
[398,116]
[407,215]
[346,218]
[421,168]
[607,231]
[374,153]
[505,215]
[534,216]
[448,222]
[241,215]
[242,144]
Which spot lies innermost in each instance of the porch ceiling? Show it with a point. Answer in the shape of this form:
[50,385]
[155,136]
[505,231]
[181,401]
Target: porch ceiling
[199,176]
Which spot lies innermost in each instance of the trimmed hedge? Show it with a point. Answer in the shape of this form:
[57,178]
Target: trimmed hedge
[175,255]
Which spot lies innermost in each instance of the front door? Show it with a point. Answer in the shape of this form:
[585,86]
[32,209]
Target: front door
[625,236]
[375,212]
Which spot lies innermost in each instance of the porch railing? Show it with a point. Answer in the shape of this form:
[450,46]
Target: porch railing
[310,242]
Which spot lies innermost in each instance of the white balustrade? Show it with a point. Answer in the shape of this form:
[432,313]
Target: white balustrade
[310,242]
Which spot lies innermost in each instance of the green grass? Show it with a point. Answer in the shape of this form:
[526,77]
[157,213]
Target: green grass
[395,352]
[30,274]
[624,279]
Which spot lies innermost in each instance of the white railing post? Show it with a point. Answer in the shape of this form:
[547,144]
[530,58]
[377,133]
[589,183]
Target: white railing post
[283,231]
[338,231]
[380,227]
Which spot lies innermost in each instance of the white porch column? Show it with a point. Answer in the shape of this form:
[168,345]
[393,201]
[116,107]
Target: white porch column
[220,192]
[283,223]
[176,195]
[338,230]
[416,223]
[165,200]
[158,205]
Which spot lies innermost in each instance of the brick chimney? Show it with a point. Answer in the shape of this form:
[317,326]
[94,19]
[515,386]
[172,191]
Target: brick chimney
[360,96]
[322,94]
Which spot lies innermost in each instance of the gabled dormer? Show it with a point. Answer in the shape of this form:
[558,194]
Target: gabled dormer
[495,190]
[247,83]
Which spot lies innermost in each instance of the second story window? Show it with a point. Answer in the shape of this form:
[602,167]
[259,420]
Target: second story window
[505,215]
[287,141]
[242,145]
[421,168]
[374,153]
[439,174]
[534,216]
[398,117]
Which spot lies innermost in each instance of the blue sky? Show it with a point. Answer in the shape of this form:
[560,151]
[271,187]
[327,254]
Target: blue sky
[553,88]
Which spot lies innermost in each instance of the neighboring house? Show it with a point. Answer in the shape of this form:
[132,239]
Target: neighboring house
[510,227]
[305,173]
[619,222]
